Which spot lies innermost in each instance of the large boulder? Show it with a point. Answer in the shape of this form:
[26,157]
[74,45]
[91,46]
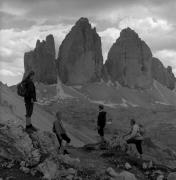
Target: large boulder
[163,75]
[15,144]
[80,55]
[34,152]
[42,61]
[129,61]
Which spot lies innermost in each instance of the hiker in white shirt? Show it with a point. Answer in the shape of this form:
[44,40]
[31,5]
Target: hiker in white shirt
[135,137]
[60,132]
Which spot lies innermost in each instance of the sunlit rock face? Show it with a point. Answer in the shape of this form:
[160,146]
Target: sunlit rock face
[80,55]
[42,61]
[163,75]
[129,61]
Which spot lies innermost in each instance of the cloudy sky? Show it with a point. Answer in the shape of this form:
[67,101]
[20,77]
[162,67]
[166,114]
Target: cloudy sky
[22,22]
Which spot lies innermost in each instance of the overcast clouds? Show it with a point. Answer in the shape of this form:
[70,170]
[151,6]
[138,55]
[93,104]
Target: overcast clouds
[22,22]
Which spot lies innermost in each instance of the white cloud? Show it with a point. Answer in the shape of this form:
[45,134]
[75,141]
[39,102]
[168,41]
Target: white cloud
[12,10]
[116,14]
[15,43]
[4,52]
[153,20]
[108,37]
[157,33]
[168,57]
[146,25]
[5,72]
[111,33]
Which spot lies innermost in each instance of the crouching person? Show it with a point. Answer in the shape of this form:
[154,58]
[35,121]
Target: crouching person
[135,137]
[60,132]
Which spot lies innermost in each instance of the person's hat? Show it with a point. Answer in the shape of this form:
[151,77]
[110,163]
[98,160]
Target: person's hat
[101,106]
[31,73]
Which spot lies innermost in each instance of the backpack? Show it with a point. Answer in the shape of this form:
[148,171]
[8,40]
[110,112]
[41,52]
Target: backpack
[21,89]
[141,130]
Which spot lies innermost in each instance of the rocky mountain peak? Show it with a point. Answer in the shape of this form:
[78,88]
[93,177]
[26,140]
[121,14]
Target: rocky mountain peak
[47,44]
[37,43]
[80,55]
[129,61]
[42,61]
[169,69]
[50,44]
[128,33]
[82,21]
[163,75]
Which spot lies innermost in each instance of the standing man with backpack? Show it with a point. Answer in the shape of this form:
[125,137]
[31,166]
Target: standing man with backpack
[101,122]
[27,90]
[135,137]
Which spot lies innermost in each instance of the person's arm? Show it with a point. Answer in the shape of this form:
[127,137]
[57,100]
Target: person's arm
[34,93]
[127,134]
[98,121]
[62,128]
[108,117]
[134,132]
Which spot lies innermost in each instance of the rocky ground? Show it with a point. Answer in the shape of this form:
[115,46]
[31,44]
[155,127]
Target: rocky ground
[35,155]
[159,123]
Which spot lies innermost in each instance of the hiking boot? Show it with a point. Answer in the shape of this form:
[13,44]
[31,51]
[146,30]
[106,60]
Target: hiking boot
[31,127]
[65,152]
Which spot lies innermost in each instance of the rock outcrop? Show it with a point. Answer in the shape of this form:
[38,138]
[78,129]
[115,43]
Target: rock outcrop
[163,75]
[171,78]
[42,61]
[80,55]
[129,61]
[33,153]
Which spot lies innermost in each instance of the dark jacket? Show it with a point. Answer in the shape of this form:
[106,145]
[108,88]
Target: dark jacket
[101,119]
[30,93]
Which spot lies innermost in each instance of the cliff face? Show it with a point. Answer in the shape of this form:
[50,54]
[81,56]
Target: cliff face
[80,60]
[163,75]
[129,61]
[171,78]
[80,55]
[42,61]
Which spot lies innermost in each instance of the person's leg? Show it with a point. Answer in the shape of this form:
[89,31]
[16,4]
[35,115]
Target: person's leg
[67,140]
[31,106]
[60,143]
[101,132]
[130,141]
[138,144]
[139,147]
[28,114]
[31,109]
[59,140]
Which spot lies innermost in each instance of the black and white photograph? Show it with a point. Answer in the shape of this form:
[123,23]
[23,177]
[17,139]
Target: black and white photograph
[87,89]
